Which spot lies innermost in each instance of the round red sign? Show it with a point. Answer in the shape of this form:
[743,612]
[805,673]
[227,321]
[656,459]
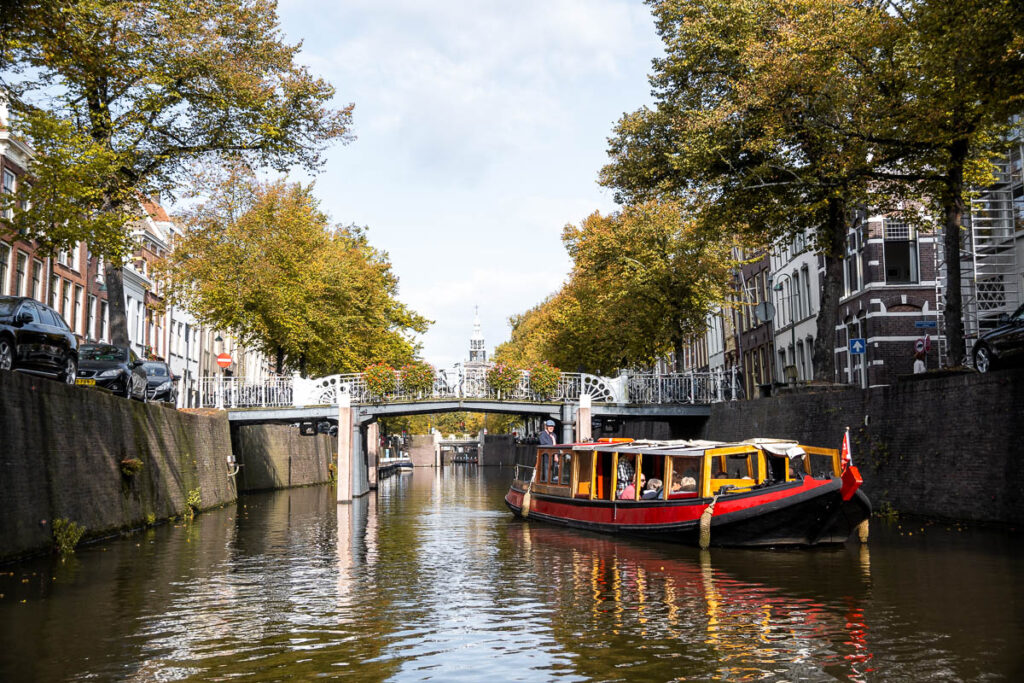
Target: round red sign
[224,360]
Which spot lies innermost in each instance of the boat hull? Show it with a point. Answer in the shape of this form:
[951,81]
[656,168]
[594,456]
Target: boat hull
[807,513]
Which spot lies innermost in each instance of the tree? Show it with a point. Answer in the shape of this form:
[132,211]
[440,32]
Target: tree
[960,67]
[642,283]
[120,98]
[262,260]
[754,101]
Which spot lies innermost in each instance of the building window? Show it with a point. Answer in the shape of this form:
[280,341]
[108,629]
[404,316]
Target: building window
[901,257]
[798,305]
[37,280]
[5,259]
[8,189]
[76,257]
[852,271]
[54,290]
[104,333]
[76,324]
[90,325]
[21,275]
[66,310]
[807,289]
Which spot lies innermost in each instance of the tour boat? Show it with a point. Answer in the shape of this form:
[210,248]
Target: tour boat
[760,492]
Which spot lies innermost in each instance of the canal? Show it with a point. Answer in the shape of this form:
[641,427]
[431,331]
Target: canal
[431,578]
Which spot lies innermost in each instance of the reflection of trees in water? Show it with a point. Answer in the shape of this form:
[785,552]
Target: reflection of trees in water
[651,613]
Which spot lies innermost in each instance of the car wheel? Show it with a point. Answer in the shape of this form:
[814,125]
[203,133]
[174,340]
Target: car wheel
[6,354]
[982,359]
[70,371]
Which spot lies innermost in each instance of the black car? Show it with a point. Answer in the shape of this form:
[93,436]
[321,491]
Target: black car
[1002,346]
[162,381]
[112,367]
[34,338]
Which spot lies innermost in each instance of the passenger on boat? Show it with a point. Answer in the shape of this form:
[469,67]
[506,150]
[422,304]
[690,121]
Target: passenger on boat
[624,474]
[653,489]
[629,492]
[682,482]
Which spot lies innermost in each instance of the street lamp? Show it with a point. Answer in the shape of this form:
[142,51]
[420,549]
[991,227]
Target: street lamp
[792,324]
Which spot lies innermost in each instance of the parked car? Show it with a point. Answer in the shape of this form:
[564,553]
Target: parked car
[112,367]
[1002,346]
[162,382]
[35,339]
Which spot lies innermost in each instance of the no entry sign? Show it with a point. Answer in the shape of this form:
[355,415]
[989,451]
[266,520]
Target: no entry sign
[224,360]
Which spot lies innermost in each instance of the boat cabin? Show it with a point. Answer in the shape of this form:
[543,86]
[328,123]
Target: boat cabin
[619,469]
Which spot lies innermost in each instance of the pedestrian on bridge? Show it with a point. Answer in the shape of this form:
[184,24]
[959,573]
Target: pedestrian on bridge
[547,437]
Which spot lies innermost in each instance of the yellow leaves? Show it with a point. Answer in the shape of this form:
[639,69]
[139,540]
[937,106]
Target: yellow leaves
[262,259]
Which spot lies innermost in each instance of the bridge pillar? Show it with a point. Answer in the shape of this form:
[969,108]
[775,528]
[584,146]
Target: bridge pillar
[345,443]
[583,419]
[372,452]
[567,415]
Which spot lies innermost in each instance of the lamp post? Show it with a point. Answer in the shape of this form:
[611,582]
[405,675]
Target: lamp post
[792,320]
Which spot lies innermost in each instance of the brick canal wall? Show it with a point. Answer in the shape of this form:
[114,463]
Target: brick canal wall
[949,447]
[277,456]
[61,449]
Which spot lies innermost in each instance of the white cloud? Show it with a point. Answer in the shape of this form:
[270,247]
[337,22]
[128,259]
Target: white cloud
[481,127]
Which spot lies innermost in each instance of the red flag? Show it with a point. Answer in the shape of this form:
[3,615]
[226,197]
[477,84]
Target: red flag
[846,458]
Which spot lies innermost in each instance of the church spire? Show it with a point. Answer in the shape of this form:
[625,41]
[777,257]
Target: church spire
[477,353]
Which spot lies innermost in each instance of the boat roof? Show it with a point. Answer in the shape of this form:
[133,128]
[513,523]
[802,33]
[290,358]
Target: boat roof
[690,447]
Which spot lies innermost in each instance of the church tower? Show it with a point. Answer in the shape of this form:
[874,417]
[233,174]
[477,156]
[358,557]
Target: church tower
[477,353]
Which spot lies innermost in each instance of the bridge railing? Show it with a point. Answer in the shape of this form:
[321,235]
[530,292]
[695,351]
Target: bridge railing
[628,388]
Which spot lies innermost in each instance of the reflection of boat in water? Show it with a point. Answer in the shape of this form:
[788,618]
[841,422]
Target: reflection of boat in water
[732,615]
[761,492]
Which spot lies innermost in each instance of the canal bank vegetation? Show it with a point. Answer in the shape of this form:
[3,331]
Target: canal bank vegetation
[259,258]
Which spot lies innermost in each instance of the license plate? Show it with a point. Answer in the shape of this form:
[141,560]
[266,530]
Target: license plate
[86,382]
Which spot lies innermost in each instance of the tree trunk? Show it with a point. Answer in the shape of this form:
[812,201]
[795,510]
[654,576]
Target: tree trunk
[114,277]
[677,348]
[953,207]
[831,291]
[279,365]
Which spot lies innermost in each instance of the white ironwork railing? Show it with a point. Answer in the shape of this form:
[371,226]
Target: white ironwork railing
[470,383]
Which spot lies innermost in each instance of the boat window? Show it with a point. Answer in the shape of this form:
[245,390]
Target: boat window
[739,466]
[585,485]
[820,466]
[555,467]
[544,458]
[567,468]
[685,475]
[626,473]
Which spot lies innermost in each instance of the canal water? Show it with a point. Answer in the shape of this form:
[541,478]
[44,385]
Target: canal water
[432,579]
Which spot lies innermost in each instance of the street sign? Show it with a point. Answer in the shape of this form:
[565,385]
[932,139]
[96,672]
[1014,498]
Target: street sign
[858,345]
[919,345]
[926,324]
[224,360]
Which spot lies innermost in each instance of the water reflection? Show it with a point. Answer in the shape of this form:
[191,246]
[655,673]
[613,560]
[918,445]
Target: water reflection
[432,578]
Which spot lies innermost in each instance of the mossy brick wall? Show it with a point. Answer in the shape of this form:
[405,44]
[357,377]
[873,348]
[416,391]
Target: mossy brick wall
[276,456]
[938,446]
[61,449]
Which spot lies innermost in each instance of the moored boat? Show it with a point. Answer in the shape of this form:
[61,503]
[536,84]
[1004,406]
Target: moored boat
[760,492]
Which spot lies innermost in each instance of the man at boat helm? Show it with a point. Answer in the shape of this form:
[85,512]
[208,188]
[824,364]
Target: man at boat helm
[547,437]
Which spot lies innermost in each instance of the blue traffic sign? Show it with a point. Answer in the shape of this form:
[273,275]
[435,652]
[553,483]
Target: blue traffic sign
[927,324]
[858,345]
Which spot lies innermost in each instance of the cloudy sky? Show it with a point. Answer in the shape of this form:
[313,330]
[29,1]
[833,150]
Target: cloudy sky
[480,129]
